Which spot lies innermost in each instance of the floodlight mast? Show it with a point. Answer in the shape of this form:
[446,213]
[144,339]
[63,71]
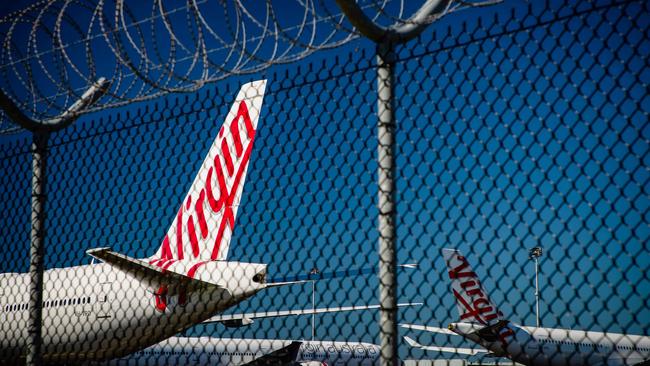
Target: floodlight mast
[386,38]
[534,254]
[41,130]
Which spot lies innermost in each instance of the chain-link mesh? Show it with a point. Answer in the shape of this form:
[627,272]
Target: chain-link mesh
[518,126]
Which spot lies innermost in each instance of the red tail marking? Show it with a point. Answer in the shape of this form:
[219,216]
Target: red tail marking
[242,112]
[200,216]
[477,309]
[167,264]
[481,309]
[471,312]
[226,157]
[228,216]
[161,298]
[193,239]
[234,130]
[216,205]
[225,199]
[472,288]
[166,251]
[456,272]
[192,272]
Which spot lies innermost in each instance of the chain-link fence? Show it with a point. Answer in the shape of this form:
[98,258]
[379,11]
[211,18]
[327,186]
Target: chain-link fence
[522,143]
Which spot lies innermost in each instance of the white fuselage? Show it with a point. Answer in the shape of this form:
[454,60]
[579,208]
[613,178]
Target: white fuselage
[97,311]
[561,347]
[232,351]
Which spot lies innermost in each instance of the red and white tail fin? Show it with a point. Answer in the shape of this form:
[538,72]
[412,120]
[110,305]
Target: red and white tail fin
[473,302]
[203,226]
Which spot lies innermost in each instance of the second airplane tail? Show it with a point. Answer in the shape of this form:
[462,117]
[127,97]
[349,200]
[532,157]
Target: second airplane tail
[472,301]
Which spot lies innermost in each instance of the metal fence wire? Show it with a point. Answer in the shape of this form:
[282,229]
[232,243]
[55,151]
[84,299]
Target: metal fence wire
[522,148]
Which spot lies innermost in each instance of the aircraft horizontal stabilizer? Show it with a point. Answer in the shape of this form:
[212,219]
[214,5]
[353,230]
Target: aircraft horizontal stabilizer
[154,276]
[246,319]
[461,351]
[278,284]
[491,333]
[428,328]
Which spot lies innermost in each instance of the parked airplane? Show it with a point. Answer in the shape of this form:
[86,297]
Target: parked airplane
[268,352]
[111,309]
[233,352]
[481,322]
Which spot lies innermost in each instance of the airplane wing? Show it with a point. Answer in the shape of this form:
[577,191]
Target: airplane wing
[283,357]
[238,320]
[148,273]
[428,328]
[461,351]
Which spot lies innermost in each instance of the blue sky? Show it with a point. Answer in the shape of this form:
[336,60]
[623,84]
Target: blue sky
[511,135]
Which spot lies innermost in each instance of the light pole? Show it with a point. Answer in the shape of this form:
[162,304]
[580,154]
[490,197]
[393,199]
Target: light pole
[534,254]
[314,271]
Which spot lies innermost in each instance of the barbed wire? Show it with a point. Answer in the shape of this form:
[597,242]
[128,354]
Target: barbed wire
[53,50]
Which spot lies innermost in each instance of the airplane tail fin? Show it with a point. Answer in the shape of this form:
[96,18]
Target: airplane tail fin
[474,305]
[204,223]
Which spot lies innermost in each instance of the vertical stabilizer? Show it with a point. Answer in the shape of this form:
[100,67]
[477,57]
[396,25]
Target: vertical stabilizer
[204,223]
[474,305]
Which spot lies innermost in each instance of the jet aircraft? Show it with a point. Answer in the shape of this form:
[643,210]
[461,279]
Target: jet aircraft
[111,309]
[233,352]
[482,323]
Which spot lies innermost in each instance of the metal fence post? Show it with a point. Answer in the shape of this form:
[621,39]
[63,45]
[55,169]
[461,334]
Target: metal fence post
[39,187]
[386,203]
[386,38]
[41,130]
